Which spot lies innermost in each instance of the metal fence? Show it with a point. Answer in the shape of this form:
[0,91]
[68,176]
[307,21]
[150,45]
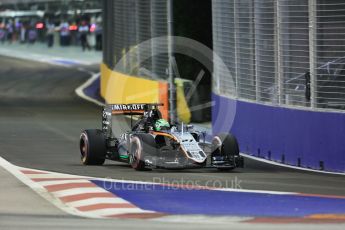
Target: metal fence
[128,23]
[281,52]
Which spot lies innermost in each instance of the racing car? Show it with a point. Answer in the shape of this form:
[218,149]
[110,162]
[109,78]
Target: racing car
[152,142]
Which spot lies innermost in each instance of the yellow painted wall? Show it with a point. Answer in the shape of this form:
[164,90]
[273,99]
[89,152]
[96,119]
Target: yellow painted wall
[118,88]
[183,111]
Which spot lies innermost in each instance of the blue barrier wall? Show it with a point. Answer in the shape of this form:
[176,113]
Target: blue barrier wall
[296,137]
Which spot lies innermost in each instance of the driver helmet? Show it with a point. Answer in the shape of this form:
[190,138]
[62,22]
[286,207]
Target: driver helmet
[161,124]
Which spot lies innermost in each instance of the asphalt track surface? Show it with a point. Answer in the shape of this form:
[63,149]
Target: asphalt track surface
[41,119]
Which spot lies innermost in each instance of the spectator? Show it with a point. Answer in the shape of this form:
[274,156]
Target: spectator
[50,34]
[98,32]
[83,31]
[32,35]
[22,33]
[64,34]
[9,28]
[17,27]
[2,32]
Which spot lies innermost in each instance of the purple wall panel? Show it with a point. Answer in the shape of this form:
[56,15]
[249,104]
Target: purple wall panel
[260,129]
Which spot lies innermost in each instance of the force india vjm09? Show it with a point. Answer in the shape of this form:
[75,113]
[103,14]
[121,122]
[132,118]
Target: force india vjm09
[151,142]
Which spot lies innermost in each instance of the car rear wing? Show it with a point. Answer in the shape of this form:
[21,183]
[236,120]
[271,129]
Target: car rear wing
[130,109]
[123,109]
[127,109]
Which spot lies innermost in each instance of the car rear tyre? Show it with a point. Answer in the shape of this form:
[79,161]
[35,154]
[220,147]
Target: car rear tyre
[141,145]
[92,147]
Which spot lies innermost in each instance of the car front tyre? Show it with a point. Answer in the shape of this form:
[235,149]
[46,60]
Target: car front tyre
[225,145]
[141,145]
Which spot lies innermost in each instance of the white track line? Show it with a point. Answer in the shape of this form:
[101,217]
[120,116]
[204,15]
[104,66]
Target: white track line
[200,219]
[58,61]
[200,187]
[80,90]
[255,191]
[211,188]
[116,211]
[291,166]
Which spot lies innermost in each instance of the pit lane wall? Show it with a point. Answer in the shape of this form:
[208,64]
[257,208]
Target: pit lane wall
[309,139]
[119,88]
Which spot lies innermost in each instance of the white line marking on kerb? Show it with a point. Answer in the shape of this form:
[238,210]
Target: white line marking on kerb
[14,170]
[59,182]
[53,175]
[53,197]
[97,200]
[78,191]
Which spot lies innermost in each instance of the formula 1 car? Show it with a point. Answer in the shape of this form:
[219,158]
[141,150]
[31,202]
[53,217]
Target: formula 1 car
[151,142]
